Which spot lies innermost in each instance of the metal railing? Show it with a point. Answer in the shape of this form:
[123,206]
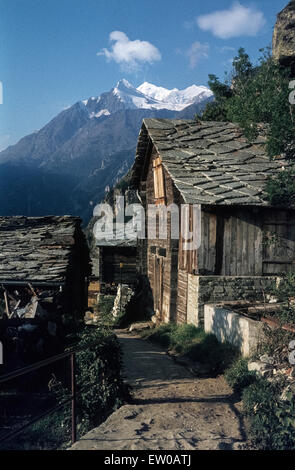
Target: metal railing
[72,399]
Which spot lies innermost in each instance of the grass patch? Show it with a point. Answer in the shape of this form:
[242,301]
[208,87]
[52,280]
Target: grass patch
[238,376]
[194,343]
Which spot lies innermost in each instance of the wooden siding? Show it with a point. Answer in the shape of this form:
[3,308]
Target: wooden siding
[278,242]
[182,291]
[246,242]
[111,259]
[242,244]
[161,262]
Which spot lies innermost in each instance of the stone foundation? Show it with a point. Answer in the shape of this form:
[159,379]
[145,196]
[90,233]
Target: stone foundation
[214,289]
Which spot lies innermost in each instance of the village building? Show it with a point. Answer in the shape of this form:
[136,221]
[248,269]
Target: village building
[114,244]
[245,244]
[44,270]
[117,261]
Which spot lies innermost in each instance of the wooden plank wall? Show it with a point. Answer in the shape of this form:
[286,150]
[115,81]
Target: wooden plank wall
[278,242]
[111,271]
[182,294]
[206,255]
[160,260]
[242,244]
[247,242]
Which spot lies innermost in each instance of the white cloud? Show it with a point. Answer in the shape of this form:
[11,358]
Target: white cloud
[237,21]
[130,54]
[196,52]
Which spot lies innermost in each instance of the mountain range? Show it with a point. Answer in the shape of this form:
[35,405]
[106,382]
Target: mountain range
[67,166]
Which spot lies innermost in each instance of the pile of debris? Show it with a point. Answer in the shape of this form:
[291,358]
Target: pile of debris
[270,367]
[276,369]
[31,323]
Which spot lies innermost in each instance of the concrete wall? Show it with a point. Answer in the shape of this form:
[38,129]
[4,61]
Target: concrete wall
[233,328]
[212,289]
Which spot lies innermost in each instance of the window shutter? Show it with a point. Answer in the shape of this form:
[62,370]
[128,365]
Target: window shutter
[159,188]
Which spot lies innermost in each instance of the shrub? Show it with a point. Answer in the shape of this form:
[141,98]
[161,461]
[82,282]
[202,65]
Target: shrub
[238,376]
[104,310]
[281,188]
[100,390]
[284,292]
[99,383]
[271,420]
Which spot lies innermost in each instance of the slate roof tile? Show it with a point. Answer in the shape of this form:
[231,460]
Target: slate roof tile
[37,248]
[210,162]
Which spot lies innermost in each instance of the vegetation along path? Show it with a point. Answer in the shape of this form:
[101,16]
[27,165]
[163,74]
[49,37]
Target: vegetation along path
[171,409]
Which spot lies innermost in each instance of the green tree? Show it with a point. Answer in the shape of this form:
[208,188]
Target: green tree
[255,95]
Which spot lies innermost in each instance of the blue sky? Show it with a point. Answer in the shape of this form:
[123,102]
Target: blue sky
[56,52]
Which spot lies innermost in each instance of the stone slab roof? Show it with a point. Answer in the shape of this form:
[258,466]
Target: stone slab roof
[211,163]
[37,249]
[118,236]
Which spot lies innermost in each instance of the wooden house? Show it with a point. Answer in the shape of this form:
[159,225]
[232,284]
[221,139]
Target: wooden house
[116,258]
[46,257]
[244,243]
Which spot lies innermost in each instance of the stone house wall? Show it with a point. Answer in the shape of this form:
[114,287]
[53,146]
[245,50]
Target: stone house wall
[212,289]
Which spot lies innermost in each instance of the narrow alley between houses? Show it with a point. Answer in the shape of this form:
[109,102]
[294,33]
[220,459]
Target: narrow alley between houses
[171,409]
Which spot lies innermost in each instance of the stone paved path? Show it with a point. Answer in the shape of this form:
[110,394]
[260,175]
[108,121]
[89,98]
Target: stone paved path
[170,410]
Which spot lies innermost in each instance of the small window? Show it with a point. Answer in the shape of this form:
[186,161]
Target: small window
[159,188]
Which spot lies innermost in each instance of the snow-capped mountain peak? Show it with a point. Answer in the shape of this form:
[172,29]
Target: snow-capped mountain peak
[153,91]
[147,96]
[176,99]
[123,84]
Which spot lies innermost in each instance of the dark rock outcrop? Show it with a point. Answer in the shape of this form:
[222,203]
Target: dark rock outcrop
[283,44]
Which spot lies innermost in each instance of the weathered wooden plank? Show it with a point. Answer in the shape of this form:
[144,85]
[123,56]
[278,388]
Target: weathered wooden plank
[258,247]
[251,246]
[233,247]
[212,242]
[226,247]
[245,248]
[181,297]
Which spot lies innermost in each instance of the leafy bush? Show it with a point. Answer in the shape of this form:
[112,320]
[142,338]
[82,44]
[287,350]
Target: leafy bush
[104,310]
[238,376]
[281,189]
[284,292]
[99,383]
[100,391]
[286,288]
[271,420]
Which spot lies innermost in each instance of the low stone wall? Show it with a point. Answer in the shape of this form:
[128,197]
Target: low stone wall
[212,289]
[231,327]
